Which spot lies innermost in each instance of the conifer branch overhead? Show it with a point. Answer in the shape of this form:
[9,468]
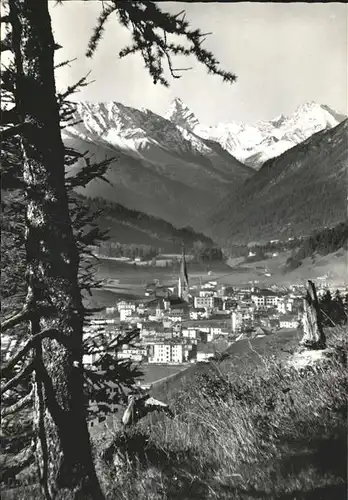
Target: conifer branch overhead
[49,333]
[65,63]
[13,382]
[6,44]
[14,320]
[20,463]
[10,132]
[10,410]
[8,116]
[145,20]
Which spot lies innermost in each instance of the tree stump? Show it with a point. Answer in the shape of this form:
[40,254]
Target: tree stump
[313,334]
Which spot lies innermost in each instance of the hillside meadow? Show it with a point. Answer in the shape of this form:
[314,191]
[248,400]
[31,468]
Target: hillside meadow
[244,428]
[248,426]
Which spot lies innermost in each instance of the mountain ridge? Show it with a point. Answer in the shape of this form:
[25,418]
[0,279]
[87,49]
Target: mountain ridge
[302,190]
[255,143]
[160,168]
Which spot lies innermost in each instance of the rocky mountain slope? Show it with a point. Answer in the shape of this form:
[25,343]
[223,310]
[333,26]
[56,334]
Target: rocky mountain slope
[303,189]
[160,168]
[254,144]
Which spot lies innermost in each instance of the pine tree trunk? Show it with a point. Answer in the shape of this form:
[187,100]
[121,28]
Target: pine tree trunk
[63,451]
[313,334]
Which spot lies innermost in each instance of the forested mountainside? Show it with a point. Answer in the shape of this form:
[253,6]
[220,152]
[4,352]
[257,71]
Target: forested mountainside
[322,242]
[159,168]
[128,227]
[294,194]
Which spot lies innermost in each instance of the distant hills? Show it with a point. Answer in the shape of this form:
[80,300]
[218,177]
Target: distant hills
[160,168]
[293,194]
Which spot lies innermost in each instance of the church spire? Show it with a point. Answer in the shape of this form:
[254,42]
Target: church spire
[183,288]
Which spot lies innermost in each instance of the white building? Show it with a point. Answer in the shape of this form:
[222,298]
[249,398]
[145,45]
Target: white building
[177,353]
[210,285]
[236,321]
[215,331]
[125,313]
[285,305]
[288,321]
[189,333]
[207,302]
[125,305]
[206,293]
[198,313]
[166,353]
[133,353]
[265,299]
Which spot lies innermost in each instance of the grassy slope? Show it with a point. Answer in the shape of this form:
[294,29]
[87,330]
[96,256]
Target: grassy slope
[248,430]
[243,428]
[334,265]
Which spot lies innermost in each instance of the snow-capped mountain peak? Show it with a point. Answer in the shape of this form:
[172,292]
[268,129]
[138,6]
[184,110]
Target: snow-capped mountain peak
[254,144]
[181,115]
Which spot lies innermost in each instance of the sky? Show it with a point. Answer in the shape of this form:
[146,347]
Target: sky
[283,55]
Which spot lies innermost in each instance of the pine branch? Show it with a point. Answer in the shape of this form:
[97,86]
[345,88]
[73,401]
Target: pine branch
[6,44]
[18,378]
[8,116]
[20,464]
[30,343]
[25,315]
[89,172]
[104,16]
[74,153]
[144,19]
[65,63]
[71,89]
[17,406]
[71,124]
[11,132]
[18,318]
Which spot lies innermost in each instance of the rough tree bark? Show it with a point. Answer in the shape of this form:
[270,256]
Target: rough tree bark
[313,334]
[63,450]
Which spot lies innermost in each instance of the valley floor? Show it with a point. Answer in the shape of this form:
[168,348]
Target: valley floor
[132,281]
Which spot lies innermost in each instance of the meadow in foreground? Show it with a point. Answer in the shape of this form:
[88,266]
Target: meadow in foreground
[271,433]
[266,432]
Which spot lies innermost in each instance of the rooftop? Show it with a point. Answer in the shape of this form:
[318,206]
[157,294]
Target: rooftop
[288,317]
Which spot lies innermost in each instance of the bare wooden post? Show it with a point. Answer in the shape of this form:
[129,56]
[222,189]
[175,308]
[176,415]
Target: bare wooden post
[313,334]
[139,407]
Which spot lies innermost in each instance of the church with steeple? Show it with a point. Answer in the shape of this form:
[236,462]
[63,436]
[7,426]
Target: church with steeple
[178,305]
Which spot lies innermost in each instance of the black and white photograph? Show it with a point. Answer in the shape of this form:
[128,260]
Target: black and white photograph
[174,250]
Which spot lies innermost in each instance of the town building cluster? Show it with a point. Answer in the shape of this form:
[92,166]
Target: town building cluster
[189,324]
